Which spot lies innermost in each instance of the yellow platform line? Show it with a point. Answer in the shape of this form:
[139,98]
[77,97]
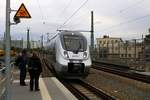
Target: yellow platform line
[43,90]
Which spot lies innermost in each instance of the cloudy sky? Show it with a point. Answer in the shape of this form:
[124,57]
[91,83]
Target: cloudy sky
[117,18]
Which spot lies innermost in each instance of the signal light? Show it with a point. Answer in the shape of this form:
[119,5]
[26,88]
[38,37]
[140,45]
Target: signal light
[16,20]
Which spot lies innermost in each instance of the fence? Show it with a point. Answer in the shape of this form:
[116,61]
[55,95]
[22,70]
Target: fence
[134,54]
[3,80]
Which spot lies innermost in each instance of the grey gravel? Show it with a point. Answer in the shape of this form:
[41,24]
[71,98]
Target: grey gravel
[120,87]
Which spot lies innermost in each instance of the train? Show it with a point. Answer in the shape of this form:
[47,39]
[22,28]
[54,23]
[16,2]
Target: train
[70,54]
[12,53]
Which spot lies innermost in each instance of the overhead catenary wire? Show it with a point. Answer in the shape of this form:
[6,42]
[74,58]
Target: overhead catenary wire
[126,22]
[73,14]
[133,5]
[67,6]
[42,14]
[129,21]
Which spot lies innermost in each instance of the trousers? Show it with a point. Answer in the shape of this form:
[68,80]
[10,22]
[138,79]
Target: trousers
[34,79]
[22,76]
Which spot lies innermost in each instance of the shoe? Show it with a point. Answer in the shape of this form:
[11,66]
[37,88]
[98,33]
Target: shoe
[23,84]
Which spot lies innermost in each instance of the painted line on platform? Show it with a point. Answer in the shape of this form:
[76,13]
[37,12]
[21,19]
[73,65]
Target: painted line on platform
[64,90]
[43,90]
[18,81]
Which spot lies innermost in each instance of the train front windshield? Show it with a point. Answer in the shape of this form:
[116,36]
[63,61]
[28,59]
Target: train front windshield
[74,43]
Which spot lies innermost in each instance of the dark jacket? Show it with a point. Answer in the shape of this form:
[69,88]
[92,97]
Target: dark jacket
[21,61]
[35,64]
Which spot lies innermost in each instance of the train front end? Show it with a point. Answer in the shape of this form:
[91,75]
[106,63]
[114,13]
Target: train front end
[73,56]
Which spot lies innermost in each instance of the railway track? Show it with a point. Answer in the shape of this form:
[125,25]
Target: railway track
[84,91]
[125,73]
[81,89]
[113,66]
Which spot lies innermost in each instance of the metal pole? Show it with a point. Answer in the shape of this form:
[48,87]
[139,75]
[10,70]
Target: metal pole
[107,50]
[92,30]
[47,37]
[103,51]
[28,39]
[99,51]
[22,43]
[42,42]
[7,50]
[112,47]
[142,47]
[119,49]
[135,50]
[126,52]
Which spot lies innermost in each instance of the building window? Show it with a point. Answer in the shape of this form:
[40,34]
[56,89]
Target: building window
[124,47]
[116,41]
[116,48]
[129,55]
[100,42]
[129,48]
[125,55]
[112,41]
[103,42]
[108,42]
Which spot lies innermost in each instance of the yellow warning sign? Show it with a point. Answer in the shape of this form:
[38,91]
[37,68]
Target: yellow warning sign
[22,12]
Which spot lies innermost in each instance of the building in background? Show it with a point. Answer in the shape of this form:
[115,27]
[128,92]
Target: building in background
[17,43]
[112,47]
[14,43]
[20,44]
[109,46]
[33,44]
[1,44]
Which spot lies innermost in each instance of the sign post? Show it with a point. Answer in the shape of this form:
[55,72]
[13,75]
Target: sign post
[21,13]
[7,50]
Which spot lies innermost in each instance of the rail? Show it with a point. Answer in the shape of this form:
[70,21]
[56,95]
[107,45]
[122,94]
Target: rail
[125,73]
[85,91]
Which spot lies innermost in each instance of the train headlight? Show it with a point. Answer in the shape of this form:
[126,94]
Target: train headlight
[85,55]
[66,54]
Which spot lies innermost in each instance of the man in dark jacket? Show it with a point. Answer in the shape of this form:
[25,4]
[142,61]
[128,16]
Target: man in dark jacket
[35,69]
[21,61]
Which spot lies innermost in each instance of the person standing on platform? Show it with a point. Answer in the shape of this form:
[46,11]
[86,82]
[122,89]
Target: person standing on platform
[21,61]
[35,69]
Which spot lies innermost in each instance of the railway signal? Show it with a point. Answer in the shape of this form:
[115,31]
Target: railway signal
[21,13]
[16,20]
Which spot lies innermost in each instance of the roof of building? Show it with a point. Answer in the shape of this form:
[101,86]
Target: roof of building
[107,37]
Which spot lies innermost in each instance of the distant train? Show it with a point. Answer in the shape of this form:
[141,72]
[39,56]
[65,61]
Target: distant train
[70,54]
[12,53]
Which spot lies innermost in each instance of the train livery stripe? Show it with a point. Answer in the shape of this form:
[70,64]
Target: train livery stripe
[43,90]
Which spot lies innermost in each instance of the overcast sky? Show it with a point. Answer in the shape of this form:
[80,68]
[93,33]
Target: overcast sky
[127,19]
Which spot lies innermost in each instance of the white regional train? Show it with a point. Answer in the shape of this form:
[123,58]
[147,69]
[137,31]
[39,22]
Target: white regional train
[70,52]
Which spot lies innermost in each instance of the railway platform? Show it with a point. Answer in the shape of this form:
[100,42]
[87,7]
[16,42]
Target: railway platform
[50,89]
[143,73]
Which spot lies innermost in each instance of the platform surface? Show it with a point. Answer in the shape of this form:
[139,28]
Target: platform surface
[144,73]
[50,89]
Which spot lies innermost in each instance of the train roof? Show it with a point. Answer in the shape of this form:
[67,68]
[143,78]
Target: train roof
[71,33]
